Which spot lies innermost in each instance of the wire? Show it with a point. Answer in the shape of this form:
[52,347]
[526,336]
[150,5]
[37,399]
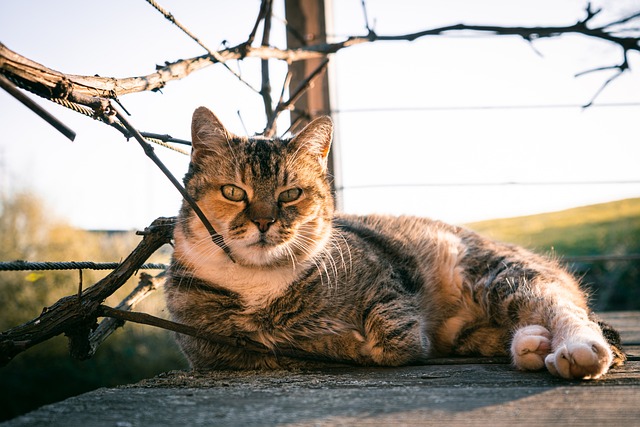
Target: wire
[482,107]
[485,184]
[70,265]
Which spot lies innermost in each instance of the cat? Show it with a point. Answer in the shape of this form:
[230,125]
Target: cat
[370,290]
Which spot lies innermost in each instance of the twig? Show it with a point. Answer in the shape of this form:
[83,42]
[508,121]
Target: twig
[304,85]
[88,90]
[621,70]
[297,93]
[265,8]
[44,114]
[148,149]
[238,342]
[150,320]
[211,52]
[146,286]
[366,18]
[265,90]
[165,138]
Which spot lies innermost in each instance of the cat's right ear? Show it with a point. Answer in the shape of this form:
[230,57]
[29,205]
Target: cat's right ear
[315,140]
[208,135]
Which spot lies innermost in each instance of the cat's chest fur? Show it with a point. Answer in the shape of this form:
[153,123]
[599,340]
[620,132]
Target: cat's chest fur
[255,286]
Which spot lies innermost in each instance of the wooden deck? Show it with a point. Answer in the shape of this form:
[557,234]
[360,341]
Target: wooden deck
[462,392]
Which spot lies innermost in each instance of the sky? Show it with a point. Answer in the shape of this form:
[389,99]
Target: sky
[460,127]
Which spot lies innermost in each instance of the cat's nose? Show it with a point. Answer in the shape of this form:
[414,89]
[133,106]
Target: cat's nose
[263,223]
[263,214]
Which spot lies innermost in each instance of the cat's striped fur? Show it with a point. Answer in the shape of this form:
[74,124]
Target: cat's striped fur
[370,290]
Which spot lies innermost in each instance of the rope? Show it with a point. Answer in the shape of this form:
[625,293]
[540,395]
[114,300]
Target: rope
[166,145]
[73,106]
[78,108]
[70,265]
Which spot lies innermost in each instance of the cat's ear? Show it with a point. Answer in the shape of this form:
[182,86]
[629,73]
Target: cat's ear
[315,140]
[208,135]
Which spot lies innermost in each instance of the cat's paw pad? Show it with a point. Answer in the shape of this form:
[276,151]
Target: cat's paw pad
[580,359]
[530,346]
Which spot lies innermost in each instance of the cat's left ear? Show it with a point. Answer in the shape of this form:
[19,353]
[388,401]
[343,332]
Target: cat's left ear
[208,135]
[315,139]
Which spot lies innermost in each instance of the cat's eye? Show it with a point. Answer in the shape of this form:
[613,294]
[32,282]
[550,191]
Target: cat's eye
[290,195]
[233,193]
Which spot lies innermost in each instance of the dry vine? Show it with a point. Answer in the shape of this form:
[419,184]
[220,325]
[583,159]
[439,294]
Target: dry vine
[92,91]
[76,316]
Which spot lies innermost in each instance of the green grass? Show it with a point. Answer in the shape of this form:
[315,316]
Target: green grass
[603,229]
[590,230]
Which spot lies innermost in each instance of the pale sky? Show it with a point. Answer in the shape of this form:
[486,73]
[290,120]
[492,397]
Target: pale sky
[407,119]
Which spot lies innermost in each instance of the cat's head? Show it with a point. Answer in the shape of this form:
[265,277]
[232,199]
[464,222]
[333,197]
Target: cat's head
[269,199]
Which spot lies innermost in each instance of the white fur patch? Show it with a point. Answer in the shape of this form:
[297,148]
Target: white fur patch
[256,285]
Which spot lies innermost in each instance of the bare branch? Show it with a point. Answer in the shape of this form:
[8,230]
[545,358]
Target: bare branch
[238,342]
[621,69]
[213,53]
[147,319]
[148,149]
[265,90]
[265,8]
[366,18]
[302,87]
[146,285]
[75,316]
[6,84]
[87,90]
[80,92]
[622,20]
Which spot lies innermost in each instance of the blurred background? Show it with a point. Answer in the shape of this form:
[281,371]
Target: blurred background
[471,128]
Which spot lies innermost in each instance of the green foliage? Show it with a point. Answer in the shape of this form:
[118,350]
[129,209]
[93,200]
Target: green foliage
[603,229]
[46,373]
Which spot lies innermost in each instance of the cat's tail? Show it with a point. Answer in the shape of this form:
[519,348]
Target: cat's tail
[613,338]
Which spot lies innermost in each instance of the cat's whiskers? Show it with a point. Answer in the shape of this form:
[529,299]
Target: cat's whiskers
[328,256]
[332,242]
[314,259]
[336,244]
[320,259]
[291,256]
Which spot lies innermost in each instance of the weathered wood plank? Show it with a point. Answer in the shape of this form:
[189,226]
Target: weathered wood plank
[458,395]
[626,322]
[466,393]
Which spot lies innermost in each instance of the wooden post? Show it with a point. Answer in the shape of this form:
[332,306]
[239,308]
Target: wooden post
[307,24]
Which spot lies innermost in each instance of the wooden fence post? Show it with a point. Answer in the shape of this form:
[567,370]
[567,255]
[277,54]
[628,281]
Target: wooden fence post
[307,24]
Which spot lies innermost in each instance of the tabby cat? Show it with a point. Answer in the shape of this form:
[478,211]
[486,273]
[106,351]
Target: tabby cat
[366,290]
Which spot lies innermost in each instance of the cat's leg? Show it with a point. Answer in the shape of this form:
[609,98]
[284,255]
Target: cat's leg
[546,312]
[393,335]
[531,351]
[579,349]
[570,345]
[581,353]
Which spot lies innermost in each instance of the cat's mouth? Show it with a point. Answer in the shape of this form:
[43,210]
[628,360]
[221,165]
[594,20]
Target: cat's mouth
[263,241]
[260,251]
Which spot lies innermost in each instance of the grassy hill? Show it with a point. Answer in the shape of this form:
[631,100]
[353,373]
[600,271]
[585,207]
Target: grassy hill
[602,229]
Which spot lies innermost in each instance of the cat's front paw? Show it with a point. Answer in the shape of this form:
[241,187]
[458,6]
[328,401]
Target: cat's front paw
[529,347]
[580,359]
